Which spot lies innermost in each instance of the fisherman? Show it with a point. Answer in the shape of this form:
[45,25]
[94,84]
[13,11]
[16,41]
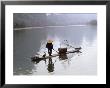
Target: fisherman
[49,46]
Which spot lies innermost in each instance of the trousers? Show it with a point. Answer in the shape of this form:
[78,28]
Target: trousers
[49,52]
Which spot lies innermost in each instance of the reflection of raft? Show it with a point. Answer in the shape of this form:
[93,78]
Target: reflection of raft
[61,52]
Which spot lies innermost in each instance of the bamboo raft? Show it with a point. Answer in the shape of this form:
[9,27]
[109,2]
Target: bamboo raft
[61,52]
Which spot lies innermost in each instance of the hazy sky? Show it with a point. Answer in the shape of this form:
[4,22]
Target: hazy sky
[52,19]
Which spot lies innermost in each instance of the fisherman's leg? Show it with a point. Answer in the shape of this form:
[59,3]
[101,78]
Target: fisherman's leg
[50,52]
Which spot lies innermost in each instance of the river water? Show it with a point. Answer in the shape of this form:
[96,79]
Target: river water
[28,42]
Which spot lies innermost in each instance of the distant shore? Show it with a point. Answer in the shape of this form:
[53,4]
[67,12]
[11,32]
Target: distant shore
[46,27]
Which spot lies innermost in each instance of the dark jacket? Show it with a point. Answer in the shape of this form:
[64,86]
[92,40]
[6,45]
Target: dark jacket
[49,45]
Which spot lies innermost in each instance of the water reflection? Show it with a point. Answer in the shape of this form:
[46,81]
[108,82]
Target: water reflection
[30,42]
[63,56]
[50,67]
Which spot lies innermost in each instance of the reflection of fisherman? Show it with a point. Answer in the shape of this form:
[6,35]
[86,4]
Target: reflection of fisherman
[49,46]
[50,65]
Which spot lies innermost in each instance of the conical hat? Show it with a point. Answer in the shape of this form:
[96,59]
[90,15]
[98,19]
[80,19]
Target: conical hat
[49,41]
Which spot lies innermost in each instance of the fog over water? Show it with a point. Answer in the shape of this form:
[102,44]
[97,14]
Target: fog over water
[52,19]
[79,29]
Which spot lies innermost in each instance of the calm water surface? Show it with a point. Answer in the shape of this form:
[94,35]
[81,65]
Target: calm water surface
[31,41]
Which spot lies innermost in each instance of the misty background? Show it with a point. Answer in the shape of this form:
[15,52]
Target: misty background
[22,20]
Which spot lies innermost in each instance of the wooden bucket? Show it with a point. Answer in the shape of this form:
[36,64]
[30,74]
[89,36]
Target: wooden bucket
[62,50]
